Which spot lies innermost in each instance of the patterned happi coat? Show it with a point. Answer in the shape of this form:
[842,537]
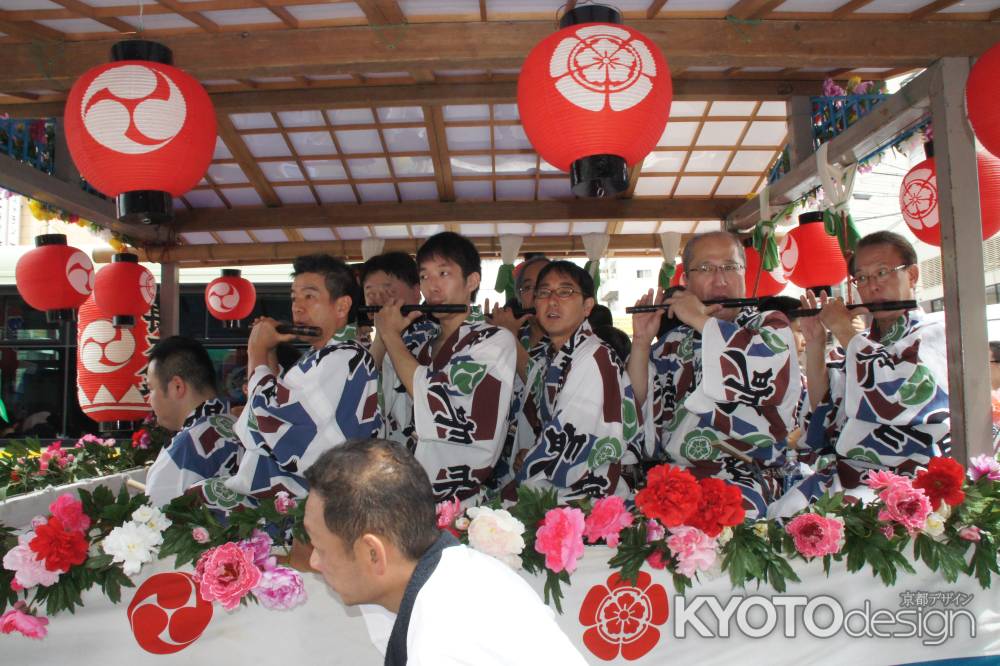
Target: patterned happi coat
[735,387]
[887,402]
[395,401]
[206,447]
[461,407]
[330,396]
[580,423]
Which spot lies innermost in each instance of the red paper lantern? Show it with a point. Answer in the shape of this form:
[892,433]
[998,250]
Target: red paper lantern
[810,256]
[594,99]
[54,277]
[124,290]
[230,297]
[981,102]
[111,365]
[770,283]
[140,130]
[918,198]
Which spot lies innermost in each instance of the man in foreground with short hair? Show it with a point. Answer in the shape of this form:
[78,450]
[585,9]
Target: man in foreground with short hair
[328,397]
[371,519]
[718,392]
[183,395]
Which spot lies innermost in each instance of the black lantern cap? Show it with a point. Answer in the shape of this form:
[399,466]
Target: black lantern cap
[50,239]
[599,176]
[811,217]
[231,272]
[144,207]
[142,49]
[590,14]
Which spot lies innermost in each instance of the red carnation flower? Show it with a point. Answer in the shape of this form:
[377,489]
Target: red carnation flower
[671,495]
[721,506]
[58,547]
[942,480]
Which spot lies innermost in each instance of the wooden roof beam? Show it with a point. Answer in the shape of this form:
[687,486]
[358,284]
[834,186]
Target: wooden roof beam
[499,45]
[245,159]
[382,12]
[438,212]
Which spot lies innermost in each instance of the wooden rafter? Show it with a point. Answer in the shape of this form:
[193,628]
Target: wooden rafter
[87,11]
[28,29]
[503,45]
[850,8]
[246,160]
[438,143]
[932,8]
[437,212]
[194,17]
[654,8]
[278,10]
[753,9]
[382,12]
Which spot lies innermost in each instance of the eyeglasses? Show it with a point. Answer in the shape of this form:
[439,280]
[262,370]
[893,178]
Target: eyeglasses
[711,269]
[878,276]
[562,293]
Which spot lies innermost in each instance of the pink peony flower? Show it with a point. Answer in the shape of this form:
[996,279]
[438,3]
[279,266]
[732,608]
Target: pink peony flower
[283,502]
[448,513]
[656,560]
[560,539]
[888,531]
[280,589]
[226,573]
[69,511]
[882,479]
[969,533]
[200,535]
[984,465]
[815,535]
[28,569]
[904,504]
[654,531]
[259,546]
[23,623]
[606,520]
[694,550]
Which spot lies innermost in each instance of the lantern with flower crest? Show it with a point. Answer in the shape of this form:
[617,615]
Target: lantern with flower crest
[140,130]
[594,99]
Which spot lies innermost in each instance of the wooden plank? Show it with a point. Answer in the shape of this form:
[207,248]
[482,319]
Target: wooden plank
[435,95]
[850,8]
[504,44]
[438,142]
[28,30]
[900,112]
[85,10]
[381,12]
[933,8]
[442,212]
[286,16]
[245,159]
[237,254]
[29,181]
[961,262]
[753,9]
[194,17]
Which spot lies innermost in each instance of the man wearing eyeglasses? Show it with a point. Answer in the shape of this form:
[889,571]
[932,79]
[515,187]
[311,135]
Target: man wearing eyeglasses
[882,395]
[718,392]
[579,423]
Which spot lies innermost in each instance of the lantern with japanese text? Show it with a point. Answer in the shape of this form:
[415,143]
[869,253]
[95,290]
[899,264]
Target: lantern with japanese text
[111,365]
[230,297]
[124,289]
[54,277]
[918,197]
[594,99]
[981,102]
[811,258]
[140,130]
[770,283]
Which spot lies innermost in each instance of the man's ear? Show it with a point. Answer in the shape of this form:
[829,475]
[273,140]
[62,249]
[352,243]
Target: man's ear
[342,306]
[177,387]
[473,281]
[372,549]
[588,306]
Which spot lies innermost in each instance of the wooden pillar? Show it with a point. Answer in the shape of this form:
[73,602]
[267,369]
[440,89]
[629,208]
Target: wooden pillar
[961,261]
[170,299]
[800,129]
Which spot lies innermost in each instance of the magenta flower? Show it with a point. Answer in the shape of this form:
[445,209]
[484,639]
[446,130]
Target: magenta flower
[24,623]
[280,589]
[259,546]
[200,535]
[984,465]
[226,573]
[654,531]
[906,505]
[560,539]
[606,520]
[815,535]
[694,550]
[970,533]
[69,511]
[283,502]
[447,513]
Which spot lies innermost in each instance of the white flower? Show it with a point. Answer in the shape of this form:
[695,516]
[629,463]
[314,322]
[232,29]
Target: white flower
[151,517]
[934,527]
[727,533]
[496,533]
[132,544]
[760,529]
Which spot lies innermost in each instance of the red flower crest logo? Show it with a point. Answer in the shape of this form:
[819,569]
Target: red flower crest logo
[167,614]
[622,618]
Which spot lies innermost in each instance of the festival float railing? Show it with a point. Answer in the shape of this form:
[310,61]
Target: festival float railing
[685,569]
[29,141]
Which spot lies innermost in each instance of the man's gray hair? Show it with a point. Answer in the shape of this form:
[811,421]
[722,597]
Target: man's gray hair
[687,256]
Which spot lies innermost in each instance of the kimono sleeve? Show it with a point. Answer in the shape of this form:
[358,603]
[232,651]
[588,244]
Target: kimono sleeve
[193,455]
[824,423]
[753,364]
